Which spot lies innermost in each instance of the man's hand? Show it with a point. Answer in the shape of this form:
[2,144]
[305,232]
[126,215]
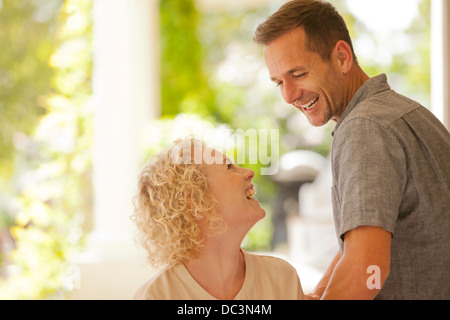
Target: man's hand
[312,296]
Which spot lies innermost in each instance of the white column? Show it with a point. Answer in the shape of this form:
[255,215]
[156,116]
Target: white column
[440,60]
[126,97]
[125,93]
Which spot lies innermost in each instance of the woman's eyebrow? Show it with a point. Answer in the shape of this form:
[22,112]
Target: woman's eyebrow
[227,160]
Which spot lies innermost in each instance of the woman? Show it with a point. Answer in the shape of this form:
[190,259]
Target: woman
[193,209]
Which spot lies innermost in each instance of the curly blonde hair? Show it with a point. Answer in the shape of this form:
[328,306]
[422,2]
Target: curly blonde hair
[173,196]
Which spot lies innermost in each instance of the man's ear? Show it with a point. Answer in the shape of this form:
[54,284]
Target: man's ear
[343,55]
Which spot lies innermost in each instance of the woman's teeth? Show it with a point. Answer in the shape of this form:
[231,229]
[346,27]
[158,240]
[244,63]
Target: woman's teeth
[250,193]
[310,104]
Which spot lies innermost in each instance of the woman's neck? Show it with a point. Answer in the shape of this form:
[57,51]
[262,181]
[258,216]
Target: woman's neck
[219,268]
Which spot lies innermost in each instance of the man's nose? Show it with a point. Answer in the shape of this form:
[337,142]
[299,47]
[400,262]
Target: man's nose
[291,93]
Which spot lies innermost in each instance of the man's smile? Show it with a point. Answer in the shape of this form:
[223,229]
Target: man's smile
[309,105]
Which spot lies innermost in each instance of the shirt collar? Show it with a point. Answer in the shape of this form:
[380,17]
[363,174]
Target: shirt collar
[370,87]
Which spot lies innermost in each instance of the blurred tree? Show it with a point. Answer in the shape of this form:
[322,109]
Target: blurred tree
[403,54]
[51,181]
[184,80]
[27,35]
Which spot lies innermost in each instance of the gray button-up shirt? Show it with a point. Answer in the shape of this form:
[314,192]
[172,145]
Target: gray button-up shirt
[391,168]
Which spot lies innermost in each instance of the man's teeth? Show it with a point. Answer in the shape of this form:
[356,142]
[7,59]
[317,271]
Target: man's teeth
[250,193]
[310,104]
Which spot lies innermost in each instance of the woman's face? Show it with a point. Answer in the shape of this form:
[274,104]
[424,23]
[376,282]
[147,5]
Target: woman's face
[231,186]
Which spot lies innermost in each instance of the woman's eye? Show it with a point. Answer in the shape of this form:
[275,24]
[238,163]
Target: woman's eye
[230,165]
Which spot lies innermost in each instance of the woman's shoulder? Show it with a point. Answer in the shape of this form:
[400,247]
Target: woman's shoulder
[273,276]
[157,286]
[173,283]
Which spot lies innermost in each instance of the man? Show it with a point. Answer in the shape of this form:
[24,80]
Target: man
[390,160]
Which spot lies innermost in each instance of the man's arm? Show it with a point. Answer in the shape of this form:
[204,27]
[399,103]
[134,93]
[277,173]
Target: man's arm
[364,246]
[323,283]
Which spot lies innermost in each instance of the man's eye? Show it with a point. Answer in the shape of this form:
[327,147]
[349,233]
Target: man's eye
[279,83]
[296,76]
[230,165]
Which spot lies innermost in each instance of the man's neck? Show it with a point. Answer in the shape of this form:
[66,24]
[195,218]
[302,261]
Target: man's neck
[356,79]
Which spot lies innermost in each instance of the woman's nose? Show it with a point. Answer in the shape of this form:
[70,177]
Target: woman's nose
[248,173]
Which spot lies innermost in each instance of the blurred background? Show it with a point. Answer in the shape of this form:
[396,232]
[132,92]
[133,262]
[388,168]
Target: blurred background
[90,89]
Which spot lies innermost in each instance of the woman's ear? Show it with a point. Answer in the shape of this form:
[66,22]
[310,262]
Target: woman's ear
[343,55]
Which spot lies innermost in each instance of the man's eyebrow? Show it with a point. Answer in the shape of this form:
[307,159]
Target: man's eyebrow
[273,79]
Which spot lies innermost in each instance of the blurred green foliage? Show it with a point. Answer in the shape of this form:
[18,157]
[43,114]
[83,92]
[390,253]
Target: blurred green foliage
[408,69]
[184,79]
[49,191]
[27,35]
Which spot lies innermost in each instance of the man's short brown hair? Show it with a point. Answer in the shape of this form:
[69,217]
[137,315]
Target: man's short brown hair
[323,26]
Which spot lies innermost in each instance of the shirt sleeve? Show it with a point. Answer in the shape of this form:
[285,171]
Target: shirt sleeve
[369,176]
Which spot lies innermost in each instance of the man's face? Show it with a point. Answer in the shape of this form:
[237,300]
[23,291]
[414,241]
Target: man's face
[314,86]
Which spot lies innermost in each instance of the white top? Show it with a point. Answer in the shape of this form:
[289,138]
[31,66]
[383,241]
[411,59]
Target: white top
[266,278]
